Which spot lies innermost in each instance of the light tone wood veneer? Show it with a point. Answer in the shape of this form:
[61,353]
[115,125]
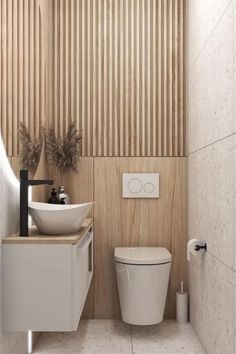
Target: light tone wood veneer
[137,222]
[114,67]
[36,238]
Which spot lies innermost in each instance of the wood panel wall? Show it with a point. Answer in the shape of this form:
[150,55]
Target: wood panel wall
[130,222]
[22,69]
[114,67]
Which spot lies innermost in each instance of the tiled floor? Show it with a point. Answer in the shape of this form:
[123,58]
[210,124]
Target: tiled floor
[113,337]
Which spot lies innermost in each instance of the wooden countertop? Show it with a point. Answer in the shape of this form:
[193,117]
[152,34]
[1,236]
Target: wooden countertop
[36,238]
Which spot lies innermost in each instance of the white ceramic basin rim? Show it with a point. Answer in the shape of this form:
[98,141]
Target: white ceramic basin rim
[56,219]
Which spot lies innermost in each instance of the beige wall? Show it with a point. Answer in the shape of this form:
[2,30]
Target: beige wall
[212,171]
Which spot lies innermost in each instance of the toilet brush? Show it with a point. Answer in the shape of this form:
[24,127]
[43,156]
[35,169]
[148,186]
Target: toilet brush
[182,305]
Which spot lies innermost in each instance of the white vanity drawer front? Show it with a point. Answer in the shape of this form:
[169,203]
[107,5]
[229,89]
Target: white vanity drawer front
[45,285]
[82,275]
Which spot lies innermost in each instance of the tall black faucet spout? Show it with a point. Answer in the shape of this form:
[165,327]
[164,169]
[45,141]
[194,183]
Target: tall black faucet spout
[38,182]
[24,199]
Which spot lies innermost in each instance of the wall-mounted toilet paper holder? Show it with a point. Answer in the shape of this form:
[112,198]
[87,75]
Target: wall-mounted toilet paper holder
[200,247]
[195,247]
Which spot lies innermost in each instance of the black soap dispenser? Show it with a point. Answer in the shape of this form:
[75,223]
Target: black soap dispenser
[53,199]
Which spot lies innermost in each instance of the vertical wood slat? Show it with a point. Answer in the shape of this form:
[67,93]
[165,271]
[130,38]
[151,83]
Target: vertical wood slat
[148,139]
[110,77]
[121,78]
[31,66]
[181,81]
[15,77]
[94,73]
[4,71]
[37,69]
[99,140]
[9,75]
[176,73]
[116,68]
[154,79]
[160,80]
[132,85]
[20,70]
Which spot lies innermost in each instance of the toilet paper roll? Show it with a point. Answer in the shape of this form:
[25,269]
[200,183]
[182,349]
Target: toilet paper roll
[191,247]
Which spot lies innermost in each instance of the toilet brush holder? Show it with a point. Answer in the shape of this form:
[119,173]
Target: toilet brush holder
[182,306]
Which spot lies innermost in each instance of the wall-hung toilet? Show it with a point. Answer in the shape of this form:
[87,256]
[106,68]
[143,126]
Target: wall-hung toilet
[142,277]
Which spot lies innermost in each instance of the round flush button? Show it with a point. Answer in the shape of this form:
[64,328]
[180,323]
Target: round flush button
[148,187]
[135,185]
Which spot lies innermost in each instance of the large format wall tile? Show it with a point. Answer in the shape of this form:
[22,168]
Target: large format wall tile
[211,87]
[210,195]
[212,173]
[234,203]
[214,11]
[212,303]
[197,195]
[220,79]
[196,30]
[202,17]
[234,54]
[219,214]
[196,107]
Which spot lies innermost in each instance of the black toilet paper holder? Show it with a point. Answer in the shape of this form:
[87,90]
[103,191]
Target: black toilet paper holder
[200,247]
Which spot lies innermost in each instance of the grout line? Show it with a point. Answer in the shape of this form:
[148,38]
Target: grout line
[219,260]
[209,36]
[131,337]
[198,337]
[210,144]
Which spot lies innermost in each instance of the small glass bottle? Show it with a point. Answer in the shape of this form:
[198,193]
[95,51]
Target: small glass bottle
[53,199]
[63,196]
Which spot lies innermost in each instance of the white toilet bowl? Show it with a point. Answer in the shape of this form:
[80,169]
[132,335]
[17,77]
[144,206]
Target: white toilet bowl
[142,277]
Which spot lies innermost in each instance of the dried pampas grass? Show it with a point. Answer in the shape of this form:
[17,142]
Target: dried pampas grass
[30,148]
[63,153]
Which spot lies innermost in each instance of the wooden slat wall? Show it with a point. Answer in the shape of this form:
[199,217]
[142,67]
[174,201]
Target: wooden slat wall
[115,67]
[22,69]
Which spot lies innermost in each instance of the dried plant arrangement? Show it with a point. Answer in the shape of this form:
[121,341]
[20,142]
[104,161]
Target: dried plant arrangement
[30,148]
[63,152]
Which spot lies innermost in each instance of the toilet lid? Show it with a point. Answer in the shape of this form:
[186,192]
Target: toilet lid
[142,255]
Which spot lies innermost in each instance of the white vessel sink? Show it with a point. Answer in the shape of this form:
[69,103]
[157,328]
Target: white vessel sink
[55,219]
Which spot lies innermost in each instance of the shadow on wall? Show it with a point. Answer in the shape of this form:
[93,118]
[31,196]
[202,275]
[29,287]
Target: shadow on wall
[9,223]
[9,191]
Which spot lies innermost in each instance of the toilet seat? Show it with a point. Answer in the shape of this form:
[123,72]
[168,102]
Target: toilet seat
[142,255]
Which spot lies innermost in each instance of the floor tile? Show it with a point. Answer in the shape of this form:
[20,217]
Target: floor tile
[92,337]
[168,337]
[116,337]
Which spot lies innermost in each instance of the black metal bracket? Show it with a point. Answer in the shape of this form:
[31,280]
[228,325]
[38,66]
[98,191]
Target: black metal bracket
[203,247]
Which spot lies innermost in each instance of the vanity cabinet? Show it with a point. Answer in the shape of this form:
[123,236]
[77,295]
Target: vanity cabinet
[46,280]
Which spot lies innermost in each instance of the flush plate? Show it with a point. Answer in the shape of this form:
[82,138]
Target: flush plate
[140,185]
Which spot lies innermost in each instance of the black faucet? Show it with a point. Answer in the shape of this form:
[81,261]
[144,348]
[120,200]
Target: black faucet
[24,186]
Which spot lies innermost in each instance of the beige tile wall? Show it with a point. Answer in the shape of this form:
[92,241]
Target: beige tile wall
[211,114]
